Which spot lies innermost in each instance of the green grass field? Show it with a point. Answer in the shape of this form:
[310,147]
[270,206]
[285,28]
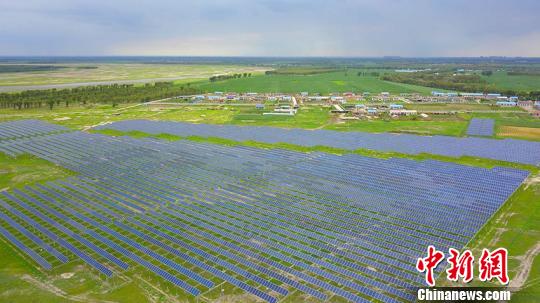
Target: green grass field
[26,170]
[503,81]
[324,83]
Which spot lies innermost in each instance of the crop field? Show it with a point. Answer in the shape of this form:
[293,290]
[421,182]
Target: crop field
[211,222]
[324,83]
[521,132]
[87,73]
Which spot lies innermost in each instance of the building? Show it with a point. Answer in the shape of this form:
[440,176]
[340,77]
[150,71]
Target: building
[372,111]
[537,104]
[525,104]
[286,98]
[259,106]
[472,95]
[360,106]
[214,97]
[318,98]
[513,98]
[443,94]
[506,103]
[492,96]
[304,94]
[338,99]
[403,112]
[396,106]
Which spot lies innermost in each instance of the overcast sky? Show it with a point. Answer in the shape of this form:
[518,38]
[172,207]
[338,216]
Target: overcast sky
[271,27]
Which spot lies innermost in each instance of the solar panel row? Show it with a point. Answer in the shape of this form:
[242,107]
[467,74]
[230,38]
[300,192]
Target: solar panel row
[510,150]
[26,128]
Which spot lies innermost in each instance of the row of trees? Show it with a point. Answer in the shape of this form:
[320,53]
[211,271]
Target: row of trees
[487,73]
[372,74]
[225,77]
[108,94]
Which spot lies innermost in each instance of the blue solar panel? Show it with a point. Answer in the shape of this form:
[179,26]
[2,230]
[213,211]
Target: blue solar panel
[13,240]
[481,127]
[27,128]
[506,150]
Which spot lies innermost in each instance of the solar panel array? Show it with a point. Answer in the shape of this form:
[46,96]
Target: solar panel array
[481,127]
[510,150]
[269,222]
[27,128]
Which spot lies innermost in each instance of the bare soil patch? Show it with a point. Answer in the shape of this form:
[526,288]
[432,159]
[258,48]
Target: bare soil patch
[522,132]
[524,268]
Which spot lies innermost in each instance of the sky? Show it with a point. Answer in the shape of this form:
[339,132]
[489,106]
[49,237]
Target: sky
[341,28]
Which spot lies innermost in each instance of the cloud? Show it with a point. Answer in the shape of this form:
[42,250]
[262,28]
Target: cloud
[270,27]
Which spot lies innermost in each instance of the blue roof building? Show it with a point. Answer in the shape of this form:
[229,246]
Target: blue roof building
[506,103]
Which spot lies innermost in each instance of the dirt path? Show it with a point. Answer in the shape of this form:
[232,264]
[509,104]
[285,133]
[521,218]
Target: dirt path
[50,288]
[95,125]
[532,180]
[524,268]
[57,291]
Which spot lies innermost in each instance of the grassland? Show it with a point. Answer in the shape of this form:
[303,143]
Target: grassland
[80,73]
[503,81]
[340,81]
[26,170]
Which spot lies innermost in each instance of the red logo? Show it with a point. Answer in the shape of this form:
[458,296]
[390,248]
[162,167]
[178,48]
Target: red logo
[494,265]
[460,265]
[429,263]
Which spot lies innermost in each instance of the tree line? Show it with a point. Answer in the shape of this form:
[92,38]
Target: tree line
[113,94]
[372,74]
[226,77]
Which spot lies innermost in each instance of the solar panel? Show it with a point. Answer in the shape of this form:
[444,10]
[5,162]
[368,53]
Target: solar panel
[510,150]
